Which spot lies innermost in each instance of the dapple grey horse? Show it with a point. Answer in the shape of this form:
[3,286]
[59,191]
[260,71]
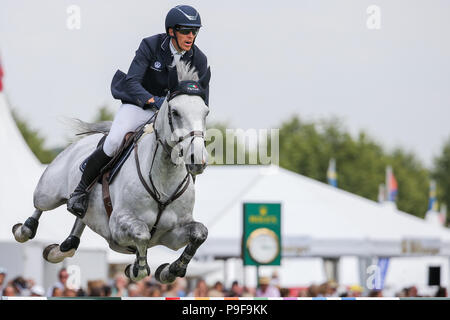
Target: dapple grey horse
[168,156]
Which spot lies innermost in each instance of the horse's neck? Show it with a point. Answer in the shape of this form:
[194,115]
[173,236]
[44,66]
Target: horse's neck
[166,176]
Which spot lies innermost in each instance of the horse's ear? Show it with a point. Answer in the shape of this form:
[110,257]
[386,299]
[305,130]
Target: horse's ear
[173,78]
[204,80]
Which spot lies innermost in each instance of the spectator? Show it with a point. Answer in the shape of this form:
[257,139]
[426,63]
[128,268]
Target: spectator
[63,275]
[21,286]
[56,292]
[2,278]
[69,292]
[441,292]
[265,289]
[171,290]
[275,280]
[37,291]
[96,288]
[106,290]
[217,290]
[247,292]
[120,286]
[154,291]
[355,291]
[412,292]
[376,294]
[302,293]
[201,289]
[176,289]
[133,290]
[331,289]
[313,291]
[235,290]
[9,291]
[284,292]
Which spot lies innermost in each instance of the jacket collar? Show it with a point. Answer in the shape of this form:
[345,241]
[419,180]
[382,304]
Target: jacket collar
[167,54]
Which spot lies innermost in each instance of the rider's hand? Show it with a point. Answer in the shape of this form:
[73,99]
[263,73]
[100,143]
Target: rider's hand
[151,100]
[158,101]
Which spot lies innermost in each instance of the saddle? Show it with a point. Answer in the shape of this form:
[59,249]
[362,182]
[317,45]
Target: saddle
[110,171]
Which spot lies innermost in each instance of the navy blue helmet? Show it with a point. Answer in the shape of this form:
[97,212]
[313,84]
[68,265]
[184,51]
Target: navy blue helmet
[183,15]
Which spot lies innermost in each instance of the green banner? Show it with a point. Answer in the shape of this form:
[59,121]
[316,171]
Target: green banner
[261,241]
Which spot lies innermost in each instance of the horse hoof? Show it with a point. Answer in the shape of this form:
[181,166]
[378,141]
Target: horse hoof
[127,271]
[21,233]
[163,274]
[53,254]
[135,276]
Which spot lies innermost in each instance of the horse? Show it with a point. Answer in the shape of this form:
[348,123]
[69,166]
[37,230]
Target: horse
[142,216]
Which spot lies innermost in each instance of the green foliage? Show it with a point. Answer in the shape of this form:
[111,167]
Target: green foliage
[34,140]
[37,143]
[104,114]
[441,173]
[306,148]
[413,182]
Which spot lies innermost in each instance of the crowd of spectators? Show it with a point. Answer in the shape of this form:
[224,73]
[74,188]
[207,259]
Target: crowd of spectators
[121,286]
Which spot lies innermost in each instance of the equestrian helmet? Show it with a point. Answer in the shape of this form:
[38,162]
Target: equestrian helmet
[183,15]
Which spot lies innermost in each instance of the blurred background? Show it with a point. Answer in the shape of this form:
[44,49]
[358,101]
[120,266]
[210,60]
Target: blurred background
[359,94]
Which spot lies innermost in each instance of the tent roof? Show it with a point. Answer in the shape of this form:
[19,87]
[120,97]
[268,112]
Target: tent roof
[312,211]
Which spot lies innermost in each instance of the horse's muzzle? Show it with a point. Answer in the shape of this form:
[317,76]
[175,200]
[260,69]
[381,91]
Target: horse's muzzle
[195,169]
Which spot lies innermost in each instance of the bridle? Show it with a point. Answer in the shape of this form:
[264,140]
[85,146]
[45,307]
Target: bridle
[183,185]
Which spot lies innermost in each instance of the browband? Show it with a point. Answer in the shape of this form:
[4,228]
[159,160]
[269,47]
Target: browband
[190,87]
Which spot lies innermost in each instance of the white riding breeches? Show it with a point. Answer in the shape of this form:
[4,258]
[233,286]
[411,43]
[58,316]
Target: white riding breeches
[128,118]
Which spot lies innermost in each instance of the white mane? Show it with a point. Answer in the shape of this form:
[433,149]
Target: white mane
[185,72]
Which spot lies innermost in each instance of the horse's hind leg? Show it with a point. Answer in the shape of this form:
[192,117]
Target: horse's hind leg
[194,234]
[55,253]
[26,231]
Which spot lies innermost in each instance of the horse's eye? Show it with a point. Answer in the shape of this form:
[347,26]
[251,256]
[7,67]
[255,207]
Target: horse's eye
[175,113]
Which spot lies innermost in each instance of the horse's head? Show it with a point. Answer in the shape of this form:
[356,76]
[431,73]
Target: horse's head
[181,122]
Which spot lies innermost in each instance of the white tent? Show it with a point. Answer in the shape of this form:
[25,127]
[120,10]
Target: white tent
[317,220]
[20,171]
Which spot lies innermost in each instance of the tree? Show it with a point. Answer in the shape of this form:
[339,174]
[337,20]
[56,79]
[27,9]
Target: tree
[306,148]
[413,182]
[104,114]
[441,173]
[34,140]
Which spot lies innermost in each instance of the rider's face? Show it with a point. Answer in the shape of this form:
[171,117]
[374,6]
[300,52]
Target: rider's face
[185,41]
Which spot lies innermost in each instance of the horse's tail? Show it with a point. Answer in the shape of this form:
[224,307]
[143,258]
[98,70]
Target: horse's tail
[82,128]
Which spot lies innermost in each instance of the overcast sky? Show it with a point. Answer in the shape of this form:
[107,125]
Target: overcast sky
[269,60]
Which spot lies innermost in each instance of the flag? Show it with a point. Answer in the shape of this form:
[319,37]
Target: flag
[432,202]
[443,214]
[392,186]
[331,173]
[383,265]
[381,193]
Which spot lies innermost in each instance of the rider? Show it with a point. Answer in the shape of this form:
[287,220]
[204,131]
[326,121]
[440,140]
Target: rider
[143,90]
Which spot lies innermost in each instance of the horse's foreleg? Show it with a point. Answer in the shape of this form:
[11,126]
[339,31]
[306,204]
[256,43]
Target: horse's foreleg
[127,230]
[194,234]
[26,231]
[55,253]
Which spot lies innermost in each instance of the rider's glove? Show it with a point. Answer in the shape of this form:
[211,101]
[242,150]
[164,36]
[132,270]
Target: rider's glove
[158,101]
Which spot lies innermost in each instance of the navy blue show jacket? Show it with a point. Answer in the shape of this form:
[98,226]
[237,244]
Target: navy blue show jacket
[148,74]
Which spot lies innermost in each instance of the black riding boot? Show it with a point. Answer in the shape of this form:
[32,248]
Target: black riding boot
[79,199]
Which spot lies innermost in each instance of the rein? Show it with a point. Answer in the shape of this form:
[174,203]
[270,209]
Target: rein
[154,193]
